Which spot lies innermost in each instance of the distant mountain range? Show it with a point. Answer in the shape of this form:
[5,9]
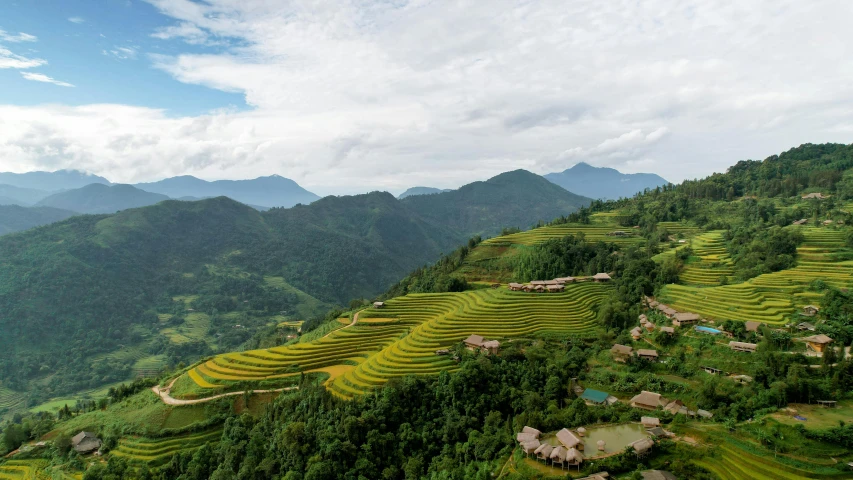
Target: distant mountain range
[100,198]
[51,181]
[604,183]
[421,191]
[14,218]
[269,192]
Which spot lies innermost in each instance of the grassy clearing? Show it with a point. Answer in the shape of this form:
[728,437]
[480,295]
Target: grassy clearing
[817,417]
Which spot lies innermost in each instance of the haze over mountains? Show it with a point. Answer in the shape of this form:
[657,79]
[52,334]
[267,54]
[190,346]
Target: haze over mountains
[604,183]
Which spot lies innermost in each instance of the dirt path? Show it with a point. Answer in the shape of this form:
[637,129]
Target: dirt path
[164,395]
[354,321]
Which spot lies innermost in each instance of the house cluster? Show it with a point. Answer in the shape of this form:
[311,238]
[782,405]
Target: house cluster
[652,401]
[476,343]
[679,319]
[647,326]
[555,285]
[567,451]
[622,353]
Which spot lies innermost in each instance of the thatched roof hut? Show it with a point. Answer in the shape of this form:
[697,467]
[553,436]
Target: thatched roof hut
[567,438]
[525,437]
[643,446]
[581,431]
[650,422]
[532,430]
[574,457]
[558,455]
[544,451]
[530,446]
[601,444]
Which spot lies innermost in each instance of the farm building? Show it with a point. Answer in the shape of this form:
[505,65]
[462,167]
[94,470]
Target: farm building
[564,280]
[621,353]
[478,343]
[515,287]
[648,400]
[668,330]
[810,310]
[648,354]
[685,318]
[677,406]
[85,442]
[556,288]
[543,452]
[537,282]
[805,326]
[801,221]
[743,347]
[650,422]
[712,370]
[752,326]
[378,304]
[657,475]
[601,277]
[643,446]
[569,439]
[817,195]
[817,343]
[595,397]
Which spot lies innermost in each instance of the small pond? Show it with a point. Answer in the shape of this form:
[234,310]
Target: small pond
[616,438]
[712,331]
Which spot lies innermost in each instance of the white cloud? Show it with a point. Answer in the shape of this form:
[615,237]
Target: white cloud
[11,60]
[121,53]
[392,94]
[20,37]
[39,77]
[77,20]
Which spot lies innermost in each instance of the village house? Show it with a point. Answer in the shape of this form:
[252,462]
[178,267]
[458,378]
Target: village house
[704,414]
[648,354]
[564,280]
[827,222]
[666,310]
[801,221]
[650,422]
[677,406]
[601,277]
[649,326]
[743,347]
[558,455]
[543,452]
[668,330]
[810,310]
[574,458]
[528,438]
[478,343]
[636,333]
[817,195]
[742,379]
[378,304]
[85,442]
[642,447]
[685,318]
[657,475]
[712,370]
[597,476]
[648,400]
[806,326]
[569,439]
[595,397]
[515,287]
[556,288]
[817,343]
[621,353]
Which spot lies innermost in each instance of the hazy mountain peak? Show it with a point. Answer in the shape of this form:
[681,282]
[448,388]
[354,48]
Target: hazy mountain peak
[421,191]
[604,182]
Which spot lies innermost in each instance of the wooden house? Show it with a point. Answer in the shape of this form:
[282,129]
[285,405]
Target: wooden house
[636,333]
[574,458]
[555,288]
[621,353]
[668,330]
[685,318]
[642,447]
[515,287]
[810,310]
[378,304]
[817,343]
[648,354]
[648,400]
[543,452]
[650,422]
[806,326]
[601,277]
[743,347]
[569,439]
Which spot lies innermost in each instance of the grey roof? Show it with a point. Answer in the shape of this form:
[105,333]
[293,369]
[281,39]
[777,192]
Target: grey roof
[85,442]
[642,445]
[657,431]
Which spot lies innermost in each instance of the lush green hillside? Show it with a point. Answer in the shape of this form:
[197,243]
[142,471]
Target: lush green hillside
[99,198]
[516,199]
[20,196]
[14,218]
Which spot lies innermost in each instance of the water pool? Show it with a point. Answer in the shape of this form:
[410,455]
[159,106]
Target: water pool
[616,438]
[712,331]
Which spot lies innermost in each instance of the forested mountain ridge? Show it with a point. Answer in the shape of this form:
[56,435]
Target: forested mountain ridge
[14,218]
[12,195]
[421,191]
[516,199]
[98,198]
[51,181]
[271,191]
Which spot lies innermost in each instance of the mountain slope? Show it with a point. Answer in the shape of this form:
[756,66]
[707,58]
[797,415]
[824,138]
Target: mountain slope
[604,183]
[12,195]
[512,199]
[272,191]
[51,181]
[99,198]
[14,218]
[421,191]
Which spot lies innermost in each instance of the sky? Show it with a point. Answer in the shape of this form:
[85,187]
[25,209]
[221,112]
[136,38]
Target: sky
[356,95]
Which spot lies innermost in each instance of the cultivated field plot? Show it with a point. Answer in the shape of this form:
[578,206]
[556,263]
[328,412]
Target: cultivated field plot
[732,463]
[159,451]
[715,261]
[10,399]
[773,297]
[378,348]
[24,470]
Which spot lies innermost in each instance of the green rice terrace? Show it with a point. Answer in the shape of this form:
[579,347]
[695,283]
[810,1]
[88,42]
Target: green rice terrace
[159,451]
[772,297]
[402,338]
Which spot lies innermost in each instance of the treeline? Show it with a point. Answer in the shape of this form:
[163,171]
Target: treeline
[440,277]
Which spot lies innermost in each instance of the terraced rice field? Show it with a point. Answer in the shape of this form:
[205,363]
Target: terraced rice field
[715,260]
[423,323]
[24,470]
[10,399]
[736,464]
[773,297]
[159,451]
